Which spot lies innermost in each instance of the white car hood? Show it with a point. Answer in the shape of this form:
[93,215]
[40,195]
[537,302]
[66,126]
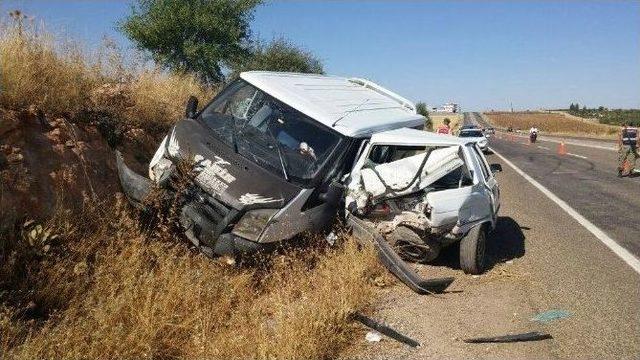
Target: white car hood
[391,179]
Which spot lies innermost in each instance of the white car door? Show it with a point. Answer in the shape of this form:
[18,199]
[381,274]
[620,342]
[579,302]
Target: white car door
[493,190]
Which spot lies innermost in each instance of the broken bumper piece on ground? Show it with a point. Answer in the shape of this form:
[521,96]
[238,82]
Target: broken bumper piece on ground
[394,263]
[529,336]
[135,186]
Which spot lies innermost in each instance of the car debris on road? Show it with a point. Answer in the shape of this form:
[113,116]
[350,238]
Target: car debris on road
[528,336]
[551,315]
[384,329]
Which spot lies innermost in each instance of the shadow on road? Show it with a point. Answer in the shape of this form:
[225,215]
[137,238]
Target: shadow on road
[506,242]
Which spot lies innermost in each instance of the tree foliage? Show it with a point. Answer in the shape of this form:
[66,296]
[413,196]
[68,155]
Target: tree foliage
[421,109]
[200,36]
[605,115]
[281,55]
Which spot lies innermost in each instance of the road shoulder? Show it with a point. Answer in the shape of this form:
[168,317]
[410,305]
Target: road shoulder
[543,260]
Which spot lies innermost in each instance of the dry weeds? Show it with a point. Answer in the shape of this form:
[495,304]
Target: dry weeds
[61,79]
[107,289]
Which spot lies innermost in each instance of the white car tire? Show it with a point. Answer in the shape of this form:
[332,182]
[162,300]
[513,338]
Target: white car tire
[473,247]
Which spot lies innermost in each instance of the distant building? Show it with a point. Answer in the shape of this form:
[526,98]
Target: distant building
[449,108]
[446,108]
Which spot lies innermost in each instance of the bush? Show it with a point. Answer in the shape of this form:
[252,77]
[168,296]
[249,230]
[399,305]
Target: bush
[280,55]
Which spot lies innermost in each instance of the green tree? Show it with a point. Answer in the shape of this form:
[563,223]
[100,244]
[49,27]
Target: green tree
[421,109]
[280,55]
[200,36]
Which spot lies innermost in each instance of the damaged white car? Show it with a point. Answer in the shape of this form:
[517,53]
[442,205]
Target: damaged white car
[422,192]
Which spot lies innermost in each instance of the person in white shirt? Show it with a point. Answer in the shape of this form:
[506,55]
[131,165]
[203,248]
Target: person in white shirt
[533,134]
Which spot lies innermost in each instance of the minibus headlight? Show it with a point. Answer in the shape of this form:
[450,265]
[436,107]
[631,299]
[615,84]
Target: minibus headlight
[253,223]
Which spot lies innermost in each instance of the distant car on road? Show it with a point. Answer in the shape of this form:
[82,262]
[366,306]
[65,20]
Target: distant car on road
[478,137]
[489,130]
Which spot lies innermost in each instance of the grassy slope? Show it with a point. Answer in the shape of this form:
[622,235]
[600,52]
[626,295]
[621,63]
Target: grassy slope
[89,283]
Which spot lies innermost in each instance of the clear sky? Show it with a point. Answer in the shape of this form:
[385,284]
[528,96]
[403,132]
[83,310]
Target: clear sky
[482,55]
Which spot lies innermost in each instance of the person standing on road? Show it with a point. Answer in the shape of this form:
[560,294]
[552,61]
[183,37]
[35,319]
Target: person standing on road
[533,134]
[627,148]
[444,128]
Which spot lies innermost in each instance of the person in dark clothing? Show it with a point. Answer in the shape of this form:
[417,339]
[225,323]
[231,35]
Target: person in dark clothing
[627,148]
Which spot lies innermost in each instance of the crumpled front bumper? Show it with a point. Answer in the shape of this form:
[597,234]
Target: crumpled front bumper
[136,187]
[206,223]
[390,259]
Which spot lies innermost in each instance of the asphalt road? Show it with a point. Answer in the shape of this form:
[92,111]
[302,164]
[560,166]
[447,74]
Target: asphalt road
[541,259]
[585,178]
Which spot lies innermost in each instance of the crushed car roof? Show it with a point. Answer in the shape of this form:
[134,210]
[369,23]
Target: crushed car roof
[353,107]
[416,137]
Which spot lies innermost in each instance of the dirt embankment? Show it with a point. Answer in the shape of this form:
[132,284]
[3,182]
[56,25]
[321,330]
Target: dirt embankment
[47,161]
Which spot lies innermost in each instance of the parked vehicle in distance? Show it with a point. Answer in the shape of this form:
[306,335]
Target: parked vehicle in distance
[489,131]
[475,135]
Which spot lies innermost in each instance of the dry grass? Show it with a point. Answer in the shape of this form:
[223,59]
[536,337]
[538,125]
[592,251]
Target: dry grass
[106,289]
[551,123]
[62,79]
[32,72]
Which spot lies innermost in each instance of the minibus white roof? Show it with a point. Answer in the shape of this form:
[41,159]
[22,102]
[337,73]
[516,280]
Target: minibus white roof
[353,107]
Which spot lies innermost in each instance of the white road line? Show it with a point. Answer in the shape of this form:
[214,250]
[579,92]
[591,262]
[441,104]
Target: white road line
[578,156]
[543,147]
[622,253]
